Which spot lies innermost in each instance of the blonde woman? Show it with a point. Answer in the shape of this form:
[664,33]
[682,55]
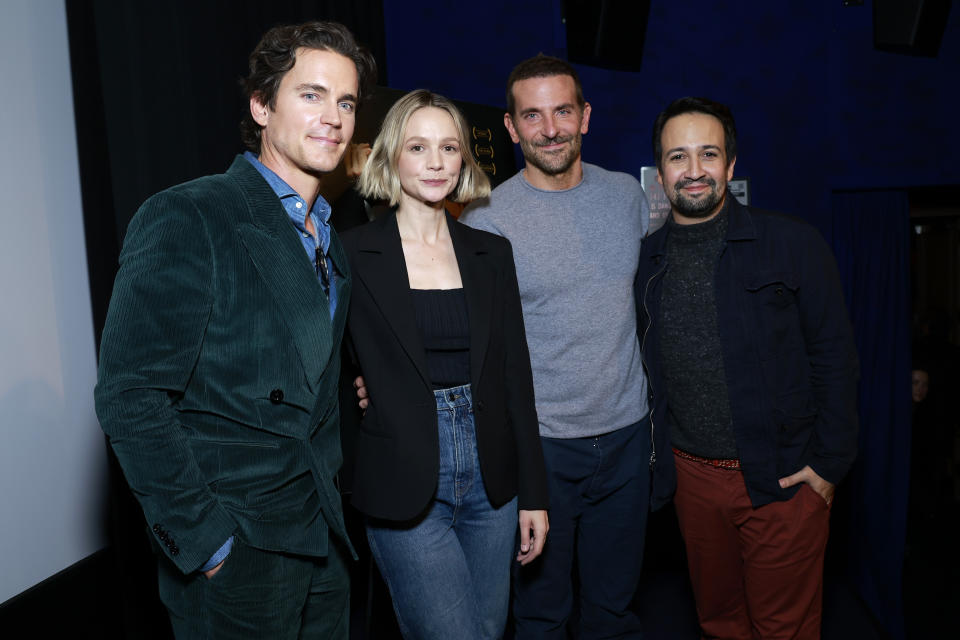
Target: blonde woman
[448,452]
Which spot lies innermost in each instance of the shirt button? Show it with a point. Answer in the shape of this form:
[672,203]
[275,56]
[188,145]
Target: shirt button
[299,205]
[276,396]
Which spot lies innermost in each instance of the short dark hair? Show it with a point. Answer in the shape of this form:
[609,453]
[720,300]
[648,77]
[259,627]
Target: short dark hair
[541,66]
[681,106]
[276,53]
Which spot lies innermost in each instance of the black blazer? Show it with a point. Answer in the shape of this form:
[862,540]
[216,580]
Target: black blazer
[397,453]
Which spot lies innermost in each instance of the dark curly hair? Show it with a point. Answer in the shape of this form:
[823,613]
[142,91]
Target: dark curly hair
[276,53]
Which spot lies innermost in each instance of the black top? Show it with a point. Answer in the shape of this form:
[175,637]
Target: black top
[445,330]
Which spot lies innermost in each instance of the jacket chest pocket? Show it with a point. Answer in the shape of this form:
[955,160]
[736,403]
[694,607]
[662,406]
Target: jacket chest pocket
[772,298]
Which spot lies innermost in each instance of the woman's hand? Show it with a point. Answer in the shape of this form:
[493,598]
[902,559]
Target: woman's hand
[533,534]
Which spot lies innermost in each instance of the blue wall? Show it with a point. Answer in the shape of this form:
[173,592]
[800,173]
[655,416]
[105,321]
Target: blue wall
[817,107]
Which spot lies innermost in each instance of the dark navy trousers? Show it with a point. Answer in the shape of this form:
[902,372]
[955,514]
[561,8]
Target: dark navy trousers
[599,498]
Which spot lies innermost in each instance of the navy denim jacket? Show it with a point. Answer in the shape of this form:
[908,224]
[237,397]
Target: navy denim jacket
[788,353]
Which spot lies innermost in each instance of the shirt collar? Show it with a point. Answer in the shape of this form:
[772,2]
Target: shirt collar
[321,208]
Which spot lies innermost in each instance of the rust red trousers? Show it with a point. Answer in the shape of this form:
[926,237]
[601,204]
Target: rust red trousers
[756,572]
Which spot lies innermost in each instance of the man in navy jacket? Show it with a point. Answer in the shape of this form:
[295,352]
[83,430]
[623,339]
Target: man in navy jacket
[752,372]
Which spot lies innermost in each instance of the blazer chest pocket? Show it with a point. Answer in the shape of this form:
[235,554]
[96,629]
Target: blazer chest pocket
[772,296]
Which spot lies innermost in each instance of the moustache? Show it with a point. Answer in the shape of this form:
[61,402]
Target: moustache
[545,142]
[685,182]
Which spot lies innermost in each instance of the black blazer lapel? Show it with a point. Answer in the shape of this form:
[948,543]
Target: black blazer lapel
[478,284]
[279,258]
[382,270]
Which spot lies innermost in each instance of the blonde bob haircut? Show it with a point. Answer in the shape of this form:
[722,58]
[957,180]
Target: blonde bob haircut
[380,179]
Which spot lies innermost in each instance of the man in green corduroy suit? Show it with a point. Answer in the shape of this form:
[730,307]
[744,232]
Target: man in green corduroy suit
[219,362]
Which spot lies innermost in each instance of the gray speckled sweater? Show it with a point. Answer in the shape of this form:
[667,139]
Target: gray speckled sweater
[690,349]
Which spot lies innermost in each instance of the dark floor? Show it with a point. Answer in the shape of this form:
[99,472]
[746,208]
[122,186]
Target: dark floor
[113,594]
[931,575]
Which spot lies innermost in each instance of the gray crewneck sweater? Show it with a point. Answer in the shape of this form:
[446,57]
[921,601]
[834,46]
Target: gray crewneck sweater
[577,252]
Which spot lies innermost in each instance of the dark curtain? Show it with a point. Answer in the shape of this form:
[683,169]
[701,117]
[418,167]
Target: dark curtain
[871,243]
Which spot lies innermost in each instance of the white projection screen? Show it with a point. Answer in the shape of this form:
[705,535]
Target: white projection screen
[52,454]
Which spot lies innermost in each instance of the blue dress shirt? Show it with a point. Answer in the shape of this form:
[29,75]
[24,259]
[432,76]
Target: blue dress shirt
[296,208]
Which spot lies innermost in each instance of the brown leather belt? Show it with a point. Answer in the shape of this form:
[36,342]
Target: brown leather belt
[720,463]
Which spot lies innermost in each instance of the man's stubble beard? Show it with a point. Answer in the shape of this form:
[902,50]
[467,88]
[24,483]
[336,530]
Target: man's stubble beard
[552,163]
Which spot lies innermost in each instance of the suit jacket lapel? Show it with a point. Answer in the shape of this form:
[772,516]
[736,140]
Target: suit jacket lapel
[344,285]
[381,268]
[478,285]
[276,252]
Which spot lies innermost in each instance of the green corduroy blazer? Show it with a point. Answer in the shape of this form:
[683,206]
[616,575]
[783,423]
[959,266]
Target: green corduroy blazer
[218,372]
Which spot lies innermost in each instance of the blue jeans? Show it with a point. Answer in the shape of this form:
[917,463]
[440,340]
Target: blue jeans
[599,496]
[448,571]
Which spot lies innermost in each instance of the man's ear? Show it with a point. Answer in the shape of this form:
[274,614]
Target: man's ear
[730,169]
[585,121]
[512,130]
[659,177]
[259,111]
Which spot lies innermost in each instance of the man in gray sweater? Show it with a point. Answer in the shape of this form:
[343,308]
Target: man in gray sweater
[576,231]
